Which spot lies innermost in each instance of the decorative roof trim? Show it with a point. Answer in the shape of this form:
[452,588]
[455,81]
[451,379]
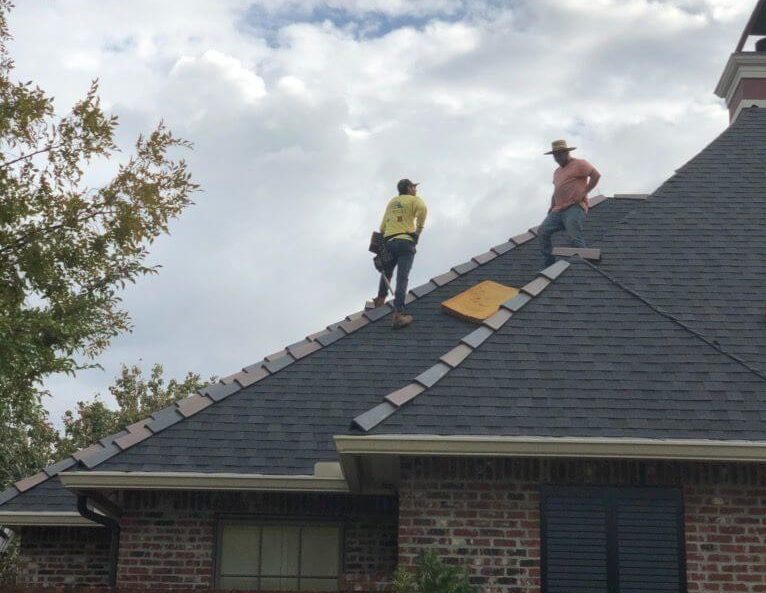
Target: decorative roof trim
[455,357]
[739,66]
[47,518]
[200,481]
[110,446]
[535,446]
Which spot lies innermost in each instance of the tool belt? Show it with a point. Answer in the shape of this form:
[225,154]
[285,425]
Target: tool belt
[378,241]
[383,256]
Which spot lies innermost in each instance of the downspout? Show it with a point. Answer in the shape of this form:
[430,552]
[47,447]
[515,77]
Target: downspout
[114,531]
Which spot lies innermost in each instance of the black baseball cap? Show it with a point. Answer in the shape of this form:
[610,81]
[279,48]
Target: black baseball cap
[404,185]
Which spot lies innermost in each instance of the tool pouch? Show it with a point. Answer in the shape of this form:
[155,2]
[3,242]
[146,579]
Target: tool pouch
[377,242]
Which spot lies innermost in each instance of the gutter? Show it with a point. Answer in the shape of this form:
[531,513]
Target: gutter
[48,518]
[95,480]
[114,531]
[499,446]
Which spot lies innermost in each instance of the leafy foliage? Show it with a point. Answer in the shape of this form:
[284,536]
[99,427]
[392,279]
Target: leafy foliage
[67,247]
[137,397]
[431,575]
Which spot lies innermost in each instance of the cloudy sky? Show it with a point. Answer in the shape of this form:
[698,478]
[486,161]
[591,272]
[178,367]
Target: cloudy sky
[304,114]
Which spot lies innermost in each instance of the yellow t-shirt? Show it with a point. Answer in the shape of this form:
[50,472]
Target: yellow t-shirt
[404,214]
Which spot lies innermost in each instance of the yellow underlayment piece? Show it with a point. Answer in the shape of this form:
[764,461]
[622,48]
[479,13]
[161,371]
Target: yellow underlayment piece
[479,302]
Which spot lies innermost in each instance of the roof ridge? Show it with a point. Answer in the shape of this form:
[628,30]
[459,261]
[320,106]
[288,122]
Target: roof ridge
[139,431]
[454,357]
[712,343]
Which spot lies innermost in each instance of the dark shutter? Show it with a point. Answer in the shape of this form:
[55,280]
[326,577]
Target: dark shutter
[574,536]
[649,540]
[612,540]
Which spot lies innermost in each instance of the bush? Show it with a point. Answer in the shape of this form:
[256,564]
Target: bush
[431,575]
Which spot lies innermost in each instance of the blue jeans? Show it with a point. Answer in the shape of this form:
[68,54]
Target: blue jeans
[403,254]
[569,220]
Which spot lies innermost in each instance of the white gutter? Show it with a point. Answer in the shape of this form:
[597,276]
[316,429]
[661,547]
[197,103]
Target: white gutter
[55,519]
[607,448]
[200,481]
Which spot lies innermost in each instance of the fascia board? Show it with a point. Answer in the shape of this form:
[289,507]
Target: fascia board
[607,448]
[200,481]
[51,519]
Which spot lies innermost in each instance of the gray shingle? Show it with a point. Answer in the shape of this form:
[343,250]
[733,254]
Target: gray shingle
[59,466]
[465,267]
[333,336]
[375,416]
[430,376]
[477,337]
[278,364]
[218,391]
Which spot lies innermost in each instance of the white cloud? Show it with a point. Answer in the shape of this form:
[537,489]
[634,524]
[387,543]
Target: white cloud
[301,132]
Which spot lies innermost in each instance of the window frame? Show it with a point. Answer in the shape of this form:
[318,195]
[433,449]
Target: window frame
[610,496]
[260,523]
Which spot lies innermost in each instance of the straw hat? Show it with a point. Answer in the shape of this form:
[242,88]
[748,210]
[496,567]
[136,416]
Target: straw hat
[560,146]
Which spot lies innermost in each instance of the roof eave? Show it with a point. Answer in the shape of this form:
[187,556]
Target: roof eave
[95,480]
[44,518]
[535,446]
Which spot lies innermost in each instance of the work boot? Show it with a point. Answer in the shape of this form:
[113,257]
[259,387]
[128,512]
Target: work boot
[400,320]
[378,301]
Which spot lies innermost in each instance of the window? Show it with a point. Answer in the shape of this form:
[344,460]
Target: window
[279,557]
[612,540]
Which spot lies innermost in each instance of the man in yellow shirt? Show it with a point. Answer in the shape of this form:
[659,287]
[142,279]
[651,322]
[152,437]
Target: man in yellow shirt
[401,227]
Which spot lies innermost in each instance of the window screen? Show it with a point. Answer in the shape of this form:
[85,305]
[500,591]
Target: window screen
[612,540]
[279,557]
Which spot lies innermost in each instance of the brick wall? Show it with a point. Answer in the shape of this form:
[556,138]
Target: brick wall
[478,513]
[64,555]
[725,538]
[484,514]
[168,539]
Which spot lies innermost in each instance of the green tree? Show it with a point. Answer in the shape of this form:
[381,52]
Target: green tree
[431,575]
[137,397]
[67,246]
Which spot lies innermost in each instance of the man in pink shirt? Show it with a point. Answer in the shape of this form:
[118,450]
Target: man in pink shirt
[572,181]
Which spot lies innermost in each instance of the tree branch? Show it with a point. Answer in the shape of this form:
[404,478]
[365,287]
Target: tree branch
[30,155]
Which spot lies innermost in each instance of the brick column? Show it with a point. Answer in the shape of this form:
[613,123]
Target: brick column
[475,513]
[725,538]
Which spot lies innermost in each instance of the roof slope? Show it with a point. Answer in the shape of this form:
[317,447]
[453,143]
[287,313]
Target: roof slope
[585,358]
[284,423]
[696,248]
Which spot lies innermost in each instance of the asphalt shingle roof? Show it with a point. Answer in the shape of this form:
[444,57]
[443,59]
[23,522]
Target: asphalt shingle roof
[696,248]
[586,358]
[284,423]
[583,358]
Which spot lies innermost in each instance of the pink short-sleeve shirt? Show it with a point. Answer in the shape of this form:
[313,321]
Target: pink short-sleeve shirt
[570,184]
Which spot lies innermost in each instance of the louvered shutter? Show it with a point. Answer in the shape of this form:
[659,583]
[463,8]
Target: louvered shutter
[574,536]
[612,540]
[649,540]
